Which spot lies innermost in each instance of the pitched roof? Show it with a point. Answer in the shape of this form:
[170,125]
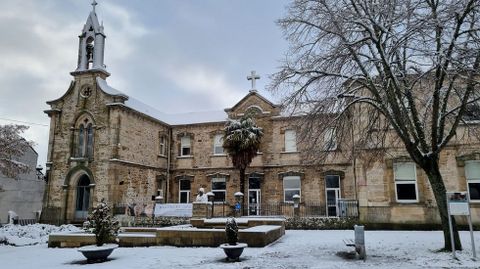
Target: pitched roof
[171,119]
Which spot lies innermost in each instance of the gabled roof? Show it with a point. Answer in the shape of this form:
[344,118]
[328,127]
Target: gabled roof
[249,95]
[171,119]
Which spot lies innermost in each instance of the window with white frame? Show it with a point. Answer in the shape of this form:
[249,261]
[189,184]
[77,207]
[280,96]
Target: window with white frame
[219,188]
[162,146]
[472,175]
[290,141]
[291,186]
[185,146]
[218,144]
[330,140]
[184,191]
[405,182]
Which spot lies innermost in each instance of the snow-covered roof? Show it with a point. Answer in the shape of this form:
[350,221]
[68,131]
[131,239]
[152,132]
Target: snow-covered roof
[172,119]
[92,20]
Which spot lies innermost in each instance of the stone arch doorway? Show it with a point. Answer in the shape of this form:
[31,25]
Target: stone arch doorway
[82,201]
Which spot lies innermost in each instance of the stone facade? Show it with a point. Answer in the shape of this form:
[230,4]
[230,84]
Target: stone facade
[133,153]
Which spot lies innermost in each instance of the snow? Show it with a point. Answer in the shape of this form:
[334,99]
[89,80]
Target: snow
[95,247]
[263,228]
[171,119]
[297,249]
[16,235]
[150,235]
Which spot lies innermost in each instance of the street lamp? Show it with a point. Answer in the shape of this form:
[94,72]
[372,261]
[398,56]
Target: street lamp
[238,205]
[296,203]
[211,198]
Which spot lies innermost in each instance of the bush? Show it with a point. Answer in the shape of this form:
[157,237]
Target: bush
[101,223]
[231,231]
[320,223]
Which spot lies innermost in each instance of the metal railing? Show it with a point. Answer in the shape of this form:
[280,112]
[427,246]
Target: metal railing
[345,208]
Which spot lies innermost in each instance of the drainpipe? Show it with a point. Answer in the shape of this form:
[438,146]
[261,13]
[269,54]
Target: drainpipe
[168,164]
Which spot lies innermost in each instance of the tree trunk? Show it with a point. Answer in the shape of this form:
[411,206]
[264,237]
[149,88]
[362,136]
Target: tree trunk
[242,190]
[439,191]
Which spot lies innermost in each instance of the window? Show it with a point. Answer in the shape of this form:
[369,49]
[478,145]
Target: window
[218,144]
[84,142]
[219,188]
[405,182]
[162,145]
[89,150]
[472,112]
[290,141]
[291,186]
[81,140]
[184,191]
[185,146]
[330,140]
[472,174]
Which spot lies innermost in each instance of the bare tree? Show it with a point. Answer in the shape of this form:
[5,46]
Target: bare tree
[410,67]
[12,147]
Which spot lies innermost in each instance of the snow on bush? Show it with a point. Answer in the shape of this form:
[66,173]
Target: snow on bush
[16,235]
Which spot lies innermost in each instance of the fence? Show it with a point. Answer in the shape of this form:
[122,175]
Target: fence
[344,208]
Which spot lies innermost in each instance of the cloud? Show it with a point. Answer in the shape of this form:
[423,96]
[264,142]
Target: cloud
[39,48]
[199,79]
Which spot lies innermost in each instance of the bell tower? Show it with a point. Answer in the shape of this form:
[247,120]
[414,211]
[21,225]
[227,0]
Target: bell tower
[91,46]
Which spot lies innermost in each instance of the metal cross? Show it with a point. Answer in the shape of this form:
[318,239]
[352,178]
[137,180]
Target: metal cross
[94,3]
[253,76]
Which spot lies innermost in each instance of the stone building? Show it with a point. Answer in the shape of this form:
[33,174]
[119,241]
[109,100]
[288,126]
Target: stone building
[104,144]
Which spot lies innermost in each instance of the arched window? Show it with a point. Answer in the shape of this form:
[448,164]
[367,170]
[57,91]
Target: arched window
[81,139]
[84,140]
[90,48]
[89,152]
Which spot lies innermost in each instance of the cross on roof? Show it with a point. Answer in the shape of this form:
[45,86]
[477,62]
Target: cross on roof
[94,3]
[253,77]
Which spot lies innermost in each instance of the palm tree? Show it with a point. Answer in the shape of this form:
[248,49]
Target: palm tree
[241,140]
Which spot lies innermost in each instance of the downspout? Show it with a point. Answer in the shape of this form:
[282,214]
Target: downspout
[168,164]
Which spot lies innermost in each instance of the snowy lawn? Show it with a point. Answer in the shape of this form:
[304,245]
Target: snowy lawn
[297,249]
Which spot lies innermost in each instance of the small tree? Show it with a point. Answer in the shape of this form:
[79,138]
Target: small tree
[12,147]
[242,141]
[231,231]
[101,223]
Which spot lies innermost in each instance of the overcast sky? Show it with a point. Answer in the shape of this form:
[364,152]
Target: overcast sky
[175,55]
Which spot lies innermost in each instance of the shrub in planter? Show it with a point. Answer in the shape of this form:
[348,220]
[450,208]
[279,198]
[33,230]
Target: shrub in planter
[101,223]
[232,248]
[231,231]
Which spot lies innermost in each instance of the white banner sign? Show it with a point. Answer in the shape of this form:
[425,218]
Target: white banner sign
[458,204]
[459,209]
[173,210]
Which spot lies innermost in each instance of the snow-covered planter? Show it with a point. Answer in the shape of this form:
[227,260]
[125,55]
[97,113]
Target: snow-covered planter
[232,248]
[101,223]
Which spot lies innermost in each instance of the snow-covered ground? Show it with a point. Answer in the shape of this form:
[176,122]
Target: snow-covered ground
[16,235]
[297,249]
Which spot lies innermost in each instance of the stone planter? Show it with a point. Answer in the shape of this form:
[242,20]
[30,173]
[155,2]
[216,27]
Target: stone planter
[233,252]
[95,253]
